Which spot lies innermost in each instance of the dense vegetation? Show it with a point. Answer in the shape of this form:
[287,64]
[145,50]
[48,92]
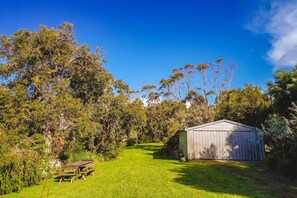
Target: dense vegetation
[58,101]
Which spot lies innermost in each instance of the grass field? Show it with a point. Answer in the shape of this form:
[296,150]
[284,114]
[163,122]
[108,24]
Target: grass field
[143,171]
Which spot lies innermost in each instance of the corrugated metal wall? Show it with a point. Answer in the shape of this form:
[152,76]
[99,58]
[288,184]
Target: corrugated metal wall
[233,145]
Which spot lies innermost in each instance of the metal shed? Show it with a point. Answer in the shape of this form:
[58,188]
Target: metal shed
[223,139]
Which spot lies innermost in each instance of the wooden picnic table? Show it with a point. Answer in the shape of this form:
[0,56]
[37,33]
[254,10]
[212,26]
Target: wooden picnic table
[73,170]
[79,163]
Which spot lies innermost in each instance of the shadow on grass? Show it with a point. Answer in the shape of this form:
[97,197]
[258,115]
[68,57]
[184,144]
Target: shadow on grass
[148,147]
[236,178]
[249,179]
[232,178]
[158,151]
[212,177]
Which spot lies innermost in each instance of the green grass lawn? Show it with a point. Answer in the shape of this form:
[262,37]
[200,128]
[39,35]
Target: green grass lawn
[143,171]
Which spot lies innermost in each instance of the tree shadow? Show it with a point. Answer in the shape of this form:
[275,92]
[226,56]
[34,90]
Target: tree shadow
[148,147]
[245,146]
[158,151]
[241,146]
[218,177]
[248,179]
[209,153]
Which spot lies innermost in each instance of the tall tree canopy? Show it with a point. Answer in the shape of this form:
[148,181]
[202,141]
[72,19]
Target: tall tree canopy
[205,79]
[283,90]
[69,96]
[248,105]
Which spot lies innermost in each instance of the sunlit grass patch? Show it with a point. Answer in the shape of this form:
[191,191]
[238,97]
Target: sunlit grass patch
[144,171]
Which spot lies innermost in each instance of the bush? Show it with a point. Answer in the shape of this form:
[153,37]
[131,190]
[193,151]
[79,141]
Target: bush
[19,170]
[145,139]
[82,155]
[113,151]
[172,146]
[173,142]
[131,141]
[272,161]
[287,167]
[75,152]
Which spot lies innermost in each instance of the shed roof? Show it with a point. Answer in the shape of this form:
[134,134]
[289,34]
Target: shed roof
[224,121]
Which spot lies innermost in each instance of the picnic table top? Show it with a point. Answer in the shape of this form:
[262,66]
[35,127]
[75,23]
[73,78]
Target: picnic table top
[78,163]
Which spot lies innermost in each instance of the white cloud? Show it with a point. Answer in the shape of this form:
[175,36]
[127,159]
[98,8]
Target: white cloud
[278,19]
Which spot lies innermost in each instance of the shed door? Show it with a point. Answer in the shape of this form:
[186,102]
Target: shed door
[226,145]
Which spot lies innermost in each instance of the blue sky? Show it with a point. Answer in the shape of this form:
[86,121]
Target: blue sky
[144,40]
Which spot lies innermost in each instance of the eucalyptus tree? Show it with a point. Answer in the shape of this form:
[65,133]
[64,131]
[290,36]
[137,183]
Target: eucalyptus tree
[206,79]
[150,94]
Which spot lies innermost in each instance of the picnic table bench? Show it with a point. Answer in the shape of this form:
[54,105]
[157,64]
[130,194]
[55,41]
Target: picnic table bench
[74,170]
[87,170]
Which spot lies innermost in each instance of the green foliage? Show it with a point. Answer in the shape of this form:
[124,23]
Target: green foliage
[19,170]
[135,120]
[75,151]
[248,105]
[283,90]
[164,120]
[280,134]
[280,128]
[57,99]
[286,167]
[173,142]
[272,161]
[142,171]
[199,113]
[187,98]
[277,133]
[61,90]
[172,146]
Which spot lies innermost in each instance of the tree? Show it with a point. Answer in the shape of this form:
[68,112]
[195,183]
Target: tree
[207,79]
[278,135]
[150,94]
[164,119]
[283,90]
[248,105]
[135,121]
[64,91]
[198,111]
[88,77]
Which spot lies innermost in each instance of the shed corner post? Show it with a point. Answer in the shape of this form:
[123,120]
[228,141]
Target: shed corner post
[189,154]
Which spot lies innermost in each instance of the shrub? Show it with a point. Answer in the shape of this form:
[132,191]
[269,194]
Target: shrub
[82,155]
[75,152]
[172,146]
[114,151]
[272,161]
[19,170]
[131,141]
[145,139]
[288,168]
